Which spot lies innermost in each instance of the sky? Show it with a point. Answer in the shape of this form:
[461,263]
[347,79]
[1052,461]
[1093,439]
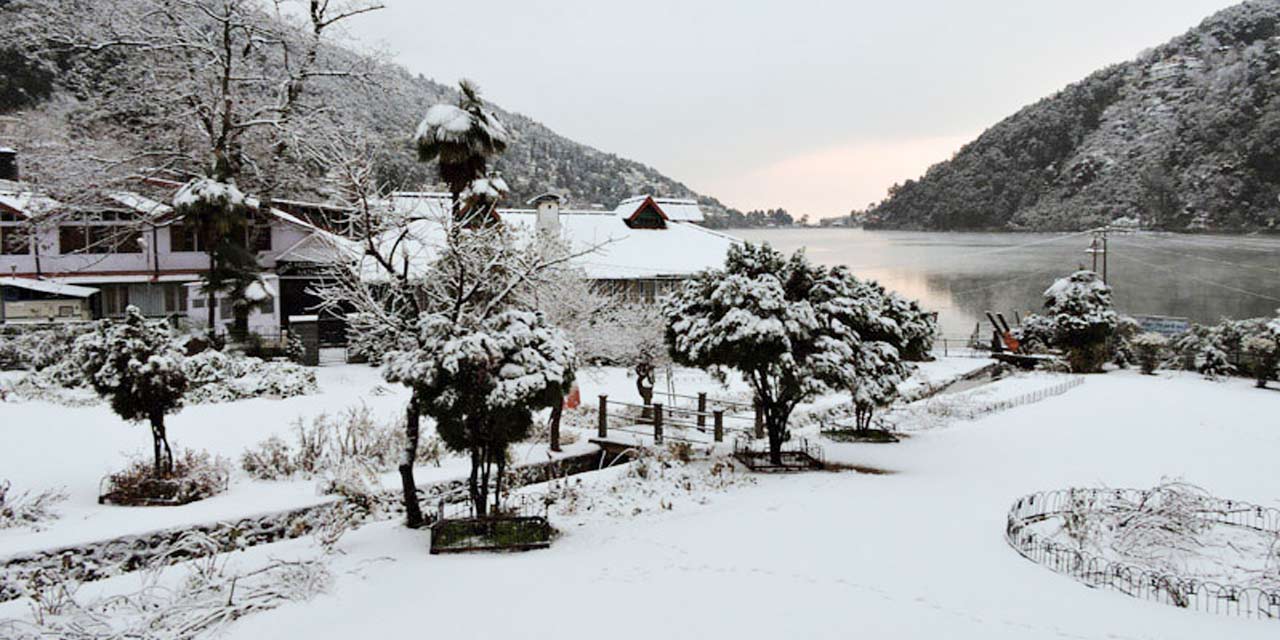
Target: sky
[817,107]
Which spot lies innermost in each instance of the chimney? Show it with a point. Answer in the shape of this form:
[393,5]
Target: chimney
[8,164]
[548,220]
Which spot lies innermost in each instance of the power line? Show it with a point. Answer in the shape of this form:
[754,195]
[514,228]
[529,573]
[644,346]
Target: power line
[975,254]
[1172,270]
[1207,259]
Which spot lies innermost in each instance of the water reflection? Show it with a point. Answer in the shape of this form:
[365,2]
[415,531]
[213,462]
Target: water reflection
[962,275]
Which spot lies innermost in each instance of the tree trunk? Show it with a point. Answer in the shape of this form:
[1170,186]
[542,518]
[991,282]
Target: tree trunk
[497,494]
[776,424]
[412,510]
[160,446]
[240,325]
[556,411]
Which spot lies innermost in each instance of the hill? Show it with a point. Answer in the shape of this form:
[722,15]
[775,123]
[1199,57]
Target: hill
[47,93]
[1182,138]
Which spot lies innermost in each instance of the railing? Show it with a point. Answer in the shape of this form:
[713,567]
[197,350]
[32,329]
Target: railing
[660,421]
[1098,572]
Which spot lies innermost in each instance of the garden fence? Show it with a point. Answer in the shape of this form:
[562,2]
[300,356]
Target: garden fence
[1099,572]
[1024,399]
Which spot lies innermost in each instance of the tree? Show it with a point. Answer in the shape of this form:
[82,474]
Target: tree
[462,139]
[1083,319]
[136,365]
[482,381]
[775,320]
[219,215]
[409,265]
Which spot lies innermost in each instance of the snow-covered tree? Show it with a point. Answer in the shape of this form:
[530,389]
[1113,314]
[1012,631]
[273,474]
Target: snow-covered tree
[1149,349]
[409,265]
[1083,319]
[136,365]
[482,380]
[219,215]
[462,139]
[773,319]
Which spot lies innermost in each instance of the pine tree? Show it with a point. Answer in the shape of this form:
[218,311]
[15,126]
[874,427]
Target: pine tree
[138,368]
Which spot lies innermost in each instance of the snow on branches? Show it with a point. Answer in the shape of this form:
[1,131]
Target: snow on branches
[1080,320]
[136,365]
[794,330]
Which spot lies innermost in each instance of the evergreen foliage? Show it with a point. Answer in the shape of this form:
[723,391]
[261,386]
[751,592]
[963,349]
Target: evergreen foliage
[1079,320]
[137,367]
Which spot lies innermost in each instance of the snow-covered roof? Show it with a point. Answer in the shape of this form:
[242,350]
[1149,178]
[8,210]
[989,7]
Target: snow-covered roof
[677,209]
[49,287]
[7,150]
[621,253]
[320,248]
[24,203]
[678,251]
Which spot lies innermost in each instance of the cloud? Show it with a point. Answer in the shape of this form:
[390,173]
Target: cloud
[832,181]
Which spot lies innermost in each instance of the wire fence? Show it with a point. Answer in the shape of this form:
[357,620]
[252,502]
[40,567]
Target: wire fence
[971,413]
[1099,572]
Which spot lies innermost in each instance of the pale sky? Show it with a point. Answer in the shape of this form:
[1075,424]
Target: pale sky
[814,106]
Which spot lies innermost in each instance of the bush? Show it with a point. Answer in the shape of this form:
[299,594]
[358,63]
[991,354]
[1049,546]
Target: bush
[328,443]
[1264,354]
[25,509]
[35,348]
[1149,349]
[217,377]
[195,476]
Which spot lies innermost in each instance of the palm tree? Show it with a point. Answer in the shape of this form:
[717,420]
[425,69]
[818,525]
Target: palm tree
[461,138]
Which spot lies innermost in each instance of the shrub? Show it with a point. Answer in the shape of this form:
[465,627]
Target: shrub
[330,442]
[1149,349]
[195,476]
[27,509]
[217,377]
[1264,353]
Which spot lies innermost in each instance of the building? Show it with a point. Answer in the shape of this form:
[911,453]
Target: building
[639,251]
[133,251]
[23,300]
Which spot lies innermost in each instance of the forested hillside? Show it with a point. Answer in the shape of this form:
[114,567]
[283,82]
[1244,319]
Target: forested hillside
[54,90]
[1185,137]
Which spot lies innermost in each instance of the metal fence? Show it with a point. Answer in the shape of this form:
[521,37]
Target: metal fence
[1098,572]
[1024,399]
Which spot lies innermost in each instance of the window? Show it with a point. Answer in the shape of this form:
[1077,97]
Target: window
[183,238]
[73,239]
[226,310]
[66,311]
[115,299]
[99,239]
[15,241]
[267,306]
[198,303]
[258,234]
[175,298]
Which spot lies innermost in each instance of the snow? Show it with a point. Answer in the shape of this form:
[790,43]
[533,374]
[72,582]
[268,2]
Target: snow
[677,209]
[918,553]
[210,191]
[48,286]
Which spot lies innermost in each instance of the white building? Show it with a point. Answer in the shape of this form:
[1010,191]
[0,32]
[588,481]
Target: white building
[646,245]
[134,252]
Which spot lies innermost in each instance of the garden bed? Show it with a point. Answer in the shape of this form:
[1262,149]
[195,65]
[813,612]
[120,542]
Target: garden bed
[502,533]
[861,436]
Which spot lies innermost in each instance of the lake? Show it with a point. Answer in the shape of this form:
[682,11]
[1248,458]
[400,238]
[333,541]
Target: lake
[963,275]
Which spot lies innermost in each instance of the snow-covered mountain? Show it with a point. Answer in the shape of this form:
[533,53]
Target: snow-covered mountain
[1183,137]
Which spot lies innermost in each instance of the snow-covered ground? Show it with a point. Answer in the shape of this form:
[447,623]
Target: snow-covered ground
[916,553]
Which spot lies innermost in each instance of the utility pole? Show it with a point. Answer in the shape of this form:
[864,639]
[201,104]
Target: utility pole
[1098,247]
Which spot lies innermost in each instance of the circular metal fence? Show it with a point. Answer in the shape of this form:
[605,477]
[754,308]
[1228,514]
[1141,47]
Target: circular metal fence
[1096,571]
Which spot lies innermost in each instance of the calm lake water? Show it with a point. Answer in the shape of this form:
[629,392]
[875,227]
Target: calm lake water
[962,275]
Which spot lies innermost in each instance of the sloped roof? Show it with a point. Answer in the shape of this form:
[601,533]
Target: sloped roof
[49,287]
[676,209]
[620,252]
